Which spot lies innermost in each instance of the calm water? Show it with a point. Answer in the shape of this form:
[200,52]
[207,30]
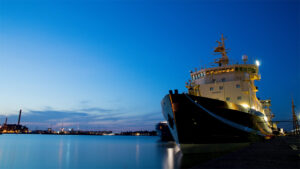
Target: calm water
[86,152]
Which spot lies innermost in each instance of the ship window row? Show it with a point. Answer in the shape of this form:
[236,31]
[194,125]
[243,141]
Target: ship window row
[237,69]
[238,98]
[245,69]
[198,76]
[220,71]
[212,88]
[221,88]
[223,80]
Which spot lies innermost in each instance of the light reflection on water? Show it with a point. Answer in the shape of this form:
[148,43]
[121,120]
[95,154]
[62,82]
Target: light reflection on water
[60,154]
[170,156]
[92,152]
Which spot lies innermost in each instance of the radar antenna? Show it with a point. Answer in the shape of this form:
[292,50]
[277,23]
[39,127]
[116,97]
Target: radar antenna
[220,49]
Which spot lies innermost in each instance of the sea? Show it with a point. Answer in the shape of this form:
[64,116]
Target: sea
[29,151]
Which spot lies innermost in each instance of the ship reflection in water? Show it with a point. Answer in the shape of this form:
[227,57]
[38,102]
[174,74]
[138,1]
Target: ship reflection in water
[172,156]
[174,159]
[81,152]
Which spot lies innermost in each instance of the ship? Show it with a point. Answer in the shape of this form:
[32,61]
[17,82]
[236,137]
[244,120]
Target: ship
[163,131]
[220,110]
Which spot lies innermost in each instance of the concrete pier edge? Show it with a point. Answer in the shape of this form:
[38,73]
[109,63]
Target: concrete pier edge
[278,153]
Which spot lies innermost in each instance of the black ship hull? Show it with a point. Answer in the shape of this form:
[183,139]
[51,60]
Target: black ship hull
[206,122]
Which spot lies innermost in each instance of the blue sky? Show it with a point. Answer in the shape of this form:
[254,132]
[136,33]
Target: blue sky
[111,62]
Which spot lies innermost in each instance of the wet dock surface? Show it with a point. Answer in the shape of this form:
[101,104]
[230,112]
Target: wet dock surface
[278,153]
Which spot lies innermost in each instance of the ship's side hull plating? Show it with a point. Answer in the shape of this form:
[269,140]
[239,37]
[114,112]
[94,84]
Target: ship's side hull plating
[201,121]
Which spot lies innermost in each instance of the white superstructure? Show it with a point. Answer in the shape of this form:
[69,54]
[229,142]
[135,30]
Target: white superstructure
[231,83]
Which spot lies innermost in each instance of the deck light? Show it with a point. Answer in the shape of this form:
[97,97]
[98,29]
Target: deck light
[265,118]
[245,106]
[257,63]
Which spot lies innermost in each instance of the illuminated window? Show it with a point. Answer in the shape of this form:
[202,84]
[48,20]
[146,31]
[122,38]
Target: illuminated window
[239,97]
[227,98]
[238,86]
[221,87]
[211,89]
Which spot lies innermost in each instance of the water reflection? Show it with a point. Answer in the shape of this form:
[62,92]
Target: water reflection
[137,154]
[60,153]
[81,152]
[174,159]
[171,155]
[68,155]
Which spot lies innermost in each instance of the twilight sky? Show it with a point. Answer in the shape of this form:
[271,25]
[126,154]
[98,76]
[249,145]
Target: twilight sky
[106,64]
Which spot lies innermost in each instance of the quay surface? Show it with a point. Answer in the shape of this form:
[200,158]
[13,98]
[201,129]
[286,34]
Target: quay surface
[278,153]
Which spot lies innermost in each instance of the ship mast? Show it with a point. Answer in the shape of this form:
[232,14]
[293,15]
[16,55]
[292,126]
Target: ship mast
[295,120]
[220,49]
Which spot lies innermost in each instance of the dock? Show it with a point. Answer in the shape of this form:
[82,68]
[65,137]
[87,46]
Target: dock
[279,153]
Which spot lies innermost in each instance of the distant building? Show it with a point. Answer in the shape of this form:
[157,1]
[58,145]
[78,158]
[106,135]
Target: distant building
[13,128]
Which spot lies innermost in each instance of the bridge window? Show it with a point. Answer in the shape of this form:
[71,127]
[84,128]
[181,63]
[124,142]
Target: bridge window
[221,87]
[239,97]
[223,79]
[238,86]
[227,98]
[211,89]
